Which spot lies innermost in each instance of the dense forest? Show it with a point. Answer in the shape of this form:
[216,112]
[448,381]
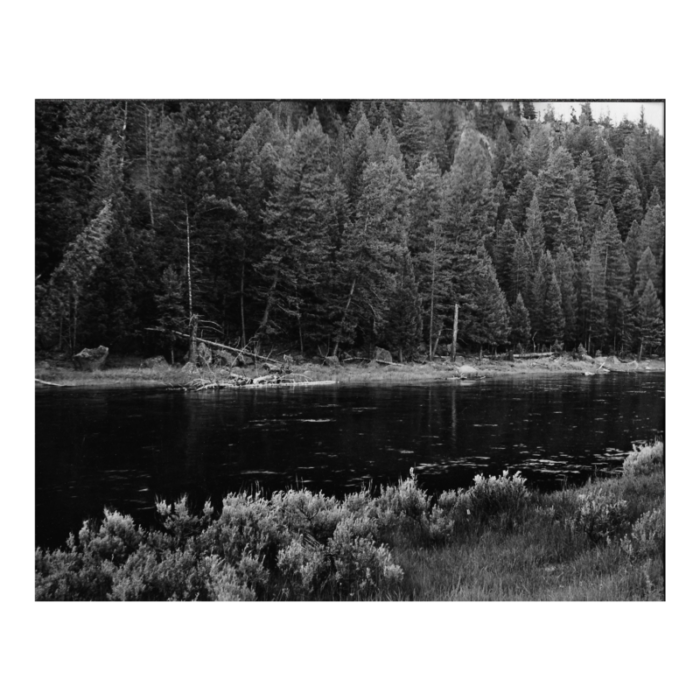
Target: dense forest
[340,226]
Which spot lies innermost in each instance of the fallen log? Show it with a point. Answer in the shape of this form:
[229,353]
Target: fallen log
[533,355]
[41,381]
[218,345]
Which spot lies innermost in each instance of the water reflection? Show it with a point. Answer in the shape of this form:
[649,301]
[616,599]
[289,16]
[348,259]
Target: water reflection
[122,448]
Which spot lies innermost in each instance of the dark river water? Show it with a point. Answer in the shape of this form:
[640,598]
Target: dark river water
[122,448]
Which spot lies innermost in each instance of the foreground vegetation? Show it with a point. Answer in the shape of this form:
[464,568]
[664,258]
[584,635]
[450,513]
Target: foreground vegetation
[494,541]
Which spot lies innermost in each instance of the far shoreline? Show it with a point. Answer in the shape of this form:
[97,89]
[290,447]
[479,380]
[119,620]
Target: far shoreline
[129,372]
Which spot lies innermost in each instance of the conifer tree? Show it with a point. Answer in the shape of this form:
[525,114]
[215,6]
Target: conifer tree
[505,252]
[519,323]
[522,272]
[650,320]
[619,180]
[514,171]
[629,210]
[534,230]
[502,150]
[566,276]
[634,251]
[554,321]
[597,327]
[569,234]
[59,301]
[658,179]
[356,159]
[538,152]
[487,320]
[646,270]
[653,230]
[554,188]
[403,327]
[413,135]
[520,201]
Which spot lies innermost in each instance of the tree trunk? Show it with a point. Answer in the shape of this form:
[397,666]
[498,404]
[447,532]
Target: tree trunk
[148,165]
[455,329]
[342,321]
[431,329]
[242,302]
[268,305]
[189,261]
[193,339]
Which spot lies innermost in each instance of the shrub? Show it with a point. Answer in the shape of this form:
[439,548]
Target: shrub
[226,583]
[305,567]
[645,460]
[648,535]
[405,512]
[500,497]
[599,515]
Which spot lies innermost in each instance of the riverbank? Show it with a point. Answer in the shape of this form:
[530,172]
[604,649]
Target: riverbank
[497,540]
[130,372]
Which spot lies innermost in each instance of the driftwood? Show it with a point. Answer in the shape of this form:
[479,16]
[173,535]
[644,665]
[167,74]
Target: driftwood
[218,345]
[533,355]
[41,381]
[386,362]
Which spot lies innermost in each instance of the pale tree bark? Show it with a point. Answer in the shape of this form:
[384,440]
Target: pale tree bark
[345,313]
[455,329]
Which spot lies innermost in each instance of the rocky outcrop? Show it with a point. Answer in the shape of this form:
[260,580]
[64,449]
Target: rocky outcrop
[90,359]
[382,355]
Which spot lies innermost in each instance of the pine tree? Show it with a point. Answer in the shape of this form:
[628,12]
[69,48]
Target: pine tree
[633,250]
[646,270]
[629,210]
[554,321]
[619,180]
[171,306]
[403,327]
[519,323]
[564,267]
[597,330]
[658,179]
[520,201]
[538,152]
[356,160]
[534,230]
[514,171]
[554,188]
[487,322]
[653,230]
[650,320]
[505,251]
[570,233]
[59,301]
[413,135]
[522,272]
[502,150]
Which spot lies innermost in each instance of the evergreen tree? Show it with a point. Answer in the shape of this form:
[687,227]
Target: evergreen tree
[514,171]
[554,321]
[633,250]
[630,210]
[564,267]
[356,160]
[554,188]
[403,327]
[646,270]
[538,152]
[59,301]
[171,306]
[413,135]
[534,230]
[522,272]
[597,327]
[520,201]
[519,323]
[658,179]
[487,322]
[650,320]
[505,252]
[619,180]
[502,150]
[653,230]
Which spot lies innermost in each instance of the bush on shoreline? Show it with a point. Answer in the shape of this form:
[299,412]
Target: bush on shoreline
[299,545]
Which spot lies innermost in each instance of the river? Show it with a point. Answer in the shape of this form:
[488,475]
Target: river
[122,448]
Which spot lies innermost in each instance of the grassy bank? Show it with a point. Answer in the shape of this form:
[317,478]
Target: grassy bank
[494,541]
[129,372]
